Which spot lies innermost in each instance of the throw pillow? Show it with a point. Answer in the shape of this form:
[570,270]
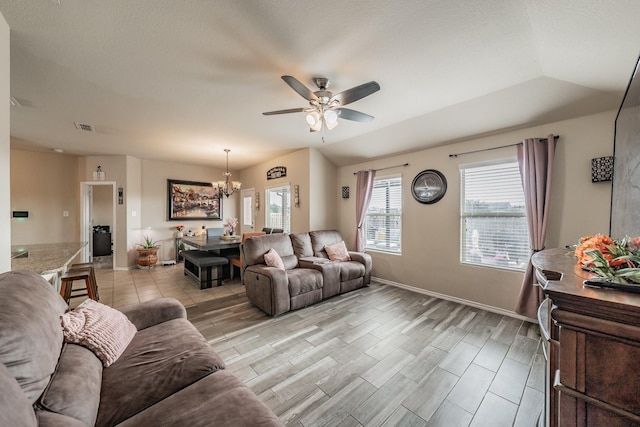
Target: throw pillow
[272,259]
[338,252]
[105,331]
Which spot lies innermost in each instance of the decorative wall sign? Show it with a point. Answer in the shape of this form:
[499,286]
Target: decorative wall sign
[601,169]
[192,200]
[277,172]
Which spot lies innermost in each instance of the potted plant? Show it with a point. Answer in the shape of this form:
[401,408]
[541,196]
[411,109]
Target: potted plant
[179,233]
[147,253]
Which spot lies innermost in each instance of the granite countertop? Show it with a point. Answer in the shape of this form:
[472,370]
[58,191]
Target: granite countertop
[47,257]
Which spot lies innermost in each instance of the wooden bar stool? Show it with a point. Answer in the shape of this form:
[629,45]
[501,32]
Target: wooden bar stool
[94,281]
[67,283]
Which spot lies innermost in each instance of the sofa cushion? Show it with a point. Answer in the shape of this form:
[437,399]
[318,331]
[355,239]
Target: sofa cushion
[15,408]
[74,389]
[301,244]
[51,419]
[303,280]
[219,399]
[337,251]
[100,328]
[351,270]
[322,238]
[159,361]
[272,259]
[30,332]
[253,249]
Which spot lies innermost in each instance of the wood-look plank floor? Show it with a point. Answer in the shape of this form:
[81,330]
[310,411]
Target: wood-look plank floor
[381,356]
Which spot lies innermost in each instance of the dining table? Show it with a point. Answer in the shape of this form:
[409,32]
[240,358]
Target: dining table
[212,243]
[220,245]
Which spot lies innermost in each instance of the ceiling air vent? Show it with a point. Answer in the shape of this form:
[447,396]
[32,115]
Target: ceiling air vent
[84,127]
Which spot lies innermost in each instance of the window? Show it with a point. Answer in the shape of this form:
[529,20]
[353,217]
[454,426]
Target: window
[278,207]
[493,222]
[383,224]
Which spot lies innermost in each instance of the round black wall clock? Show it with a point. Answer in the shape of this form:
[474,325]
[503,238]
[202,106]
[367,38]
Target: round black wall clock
[429,186]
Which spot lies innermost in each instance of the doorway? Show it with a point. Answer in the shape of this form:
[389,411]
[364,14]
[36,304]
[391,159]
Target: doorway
[98,222]
[247,216]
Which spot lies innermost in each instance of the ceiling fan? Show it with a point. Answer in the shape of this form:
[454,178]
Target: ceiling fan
[324,107]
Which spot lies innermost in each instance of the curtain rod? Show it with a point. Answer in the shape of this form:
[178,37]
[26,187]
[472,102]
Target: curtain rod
[388,167]
[555,137]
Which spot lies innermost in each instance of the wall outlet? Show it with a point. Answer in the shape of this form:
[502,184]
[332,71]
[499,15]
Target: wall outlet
[65,213]
[134,213]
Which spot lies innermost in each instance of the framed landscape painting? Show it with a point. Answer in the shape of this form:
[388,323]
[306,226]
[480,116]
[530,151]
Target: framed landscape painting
[192,200]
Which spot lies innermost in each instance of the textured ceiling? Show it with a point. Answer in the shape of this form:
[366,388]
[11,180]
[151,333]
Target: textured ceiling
[182,80]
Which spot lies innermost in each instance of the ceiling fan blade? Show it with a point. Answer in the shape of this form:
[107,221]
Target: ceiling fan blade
[304,91]
[356,116]
[356,93]
[291,110]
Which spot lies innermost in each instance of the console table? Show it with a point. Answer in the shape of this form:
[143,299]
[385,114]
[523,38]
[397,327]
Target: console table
[592,347]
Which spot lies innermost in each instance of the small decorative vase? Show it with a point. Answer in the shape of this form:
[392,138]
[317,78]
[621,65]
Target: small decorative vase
[231,231]
[179,235]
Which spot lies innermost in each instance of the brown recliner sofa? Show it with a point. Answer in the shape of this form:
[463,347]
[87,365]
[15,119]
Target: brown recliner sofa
[167,376]
[309,275]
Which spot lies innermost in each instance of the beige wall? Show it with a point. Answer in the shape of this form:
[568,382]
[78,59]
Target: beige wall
[46,185]
[430,233]
[5,190]
[297,164]
[133,208]
[315,175]
[321,194]
[154,200]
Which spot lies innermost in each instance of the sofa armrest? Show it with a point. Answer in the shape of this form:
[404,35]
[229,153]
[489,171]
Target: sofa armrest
[153,312]
[362,258]
[267,288]
[365,259]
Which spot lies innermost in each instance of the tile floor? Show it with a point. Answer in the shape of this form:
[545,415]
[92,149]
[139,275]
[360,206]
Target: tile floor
[119,288]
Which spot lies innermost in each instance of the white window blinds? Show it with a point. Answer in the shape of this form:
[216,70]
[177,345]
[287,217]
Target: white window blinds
[493,221]
[383,226]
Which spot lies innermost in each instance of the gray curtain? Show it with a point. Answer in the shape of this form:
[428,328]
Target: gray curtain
[535,157]
[364,188]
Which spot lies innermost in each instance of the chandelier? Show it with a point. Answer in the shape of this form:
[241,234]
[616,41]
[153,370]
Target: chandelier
[226,187]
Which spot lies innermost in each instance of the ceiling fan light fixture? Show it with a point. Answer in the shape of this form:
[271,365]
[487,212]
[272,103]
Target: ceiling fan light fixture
[330,117]
[331,126]
[313,118]
[316,126]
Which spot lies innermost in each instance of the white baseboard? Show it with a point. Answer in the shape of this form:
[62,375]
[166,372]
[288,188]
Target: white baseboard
[485,307]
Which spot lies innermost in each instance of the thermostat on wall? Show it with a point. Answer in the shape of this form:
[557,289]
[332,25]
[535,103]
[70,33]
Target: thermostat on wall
[21,214]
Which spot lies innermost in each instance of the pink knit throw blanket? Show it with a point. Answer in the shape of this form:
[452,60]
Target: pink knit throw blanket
[105,331]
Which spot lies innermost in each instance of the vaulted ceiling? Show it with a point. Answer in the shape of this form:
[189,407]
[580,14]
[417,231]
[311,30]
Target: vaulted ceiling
[182,80]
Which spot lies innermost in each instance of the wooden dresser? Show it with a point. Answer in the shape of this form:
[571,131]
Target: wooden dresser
[592,347]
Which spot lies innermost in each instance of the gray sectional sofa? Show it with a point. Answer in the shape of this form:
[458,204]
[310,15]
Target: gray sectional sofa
[309,275]
[168,375]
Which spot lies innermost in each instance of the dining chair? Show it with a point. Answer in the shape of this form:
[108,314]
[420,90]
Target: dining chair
[236,260]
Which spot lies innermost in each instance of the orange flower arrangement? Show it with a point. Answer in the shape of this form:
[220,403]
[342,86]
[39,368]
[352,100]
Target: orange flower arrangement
[617,261]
